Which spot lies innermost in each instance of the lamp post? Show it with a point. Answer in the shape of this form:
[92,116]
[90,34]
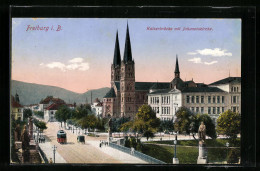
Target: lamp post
[227,144]
[54,149]
[175,160]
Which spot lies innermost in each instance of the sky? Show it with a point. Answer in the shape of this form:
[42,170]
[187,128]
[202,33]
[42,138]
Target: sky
[77,53]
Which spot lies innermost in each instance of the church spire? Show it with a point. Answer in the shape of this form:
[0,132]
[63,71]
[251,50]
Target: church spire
[117,56]
[177,72]
[128,52]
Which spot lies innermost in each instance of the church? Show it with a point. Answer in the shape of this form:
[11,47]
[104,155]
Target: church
[126,95]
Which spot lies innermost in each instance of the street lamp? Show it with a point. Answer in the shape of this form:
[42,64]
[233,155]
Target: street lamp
[175,160]
[227,144]
[54,149]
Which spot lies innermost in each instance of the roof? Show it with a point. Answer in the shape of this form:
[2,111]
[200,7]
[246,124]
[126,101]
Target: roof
[160,86]
[110,94]
[96,100]
[117,56]
[227,80]
[127,52]
[54,106]
[50,98]
[161,91]
[178,83]
[201,89]
[14,103]
[201,85]
[146,85]
[177,66]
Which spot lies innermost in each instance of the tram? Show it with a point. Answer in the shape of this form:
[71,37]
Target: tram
[61,137]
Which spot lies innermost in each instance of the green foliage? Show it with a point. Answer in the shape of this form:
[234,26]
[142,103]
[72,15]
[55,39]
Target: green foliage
[81,111]
[166,126]
[117,122]
[229,124]
[39,114]
[233,156]
[40,124]
[146,121]
[27,113]
[133,142]
[63,113]
[210,126]
[89,121]
[126,126]
[184,119]
[127,142]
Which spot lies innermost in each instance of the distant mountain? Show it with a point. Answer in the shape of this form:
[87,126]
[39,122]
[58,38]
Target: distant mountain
[30,93]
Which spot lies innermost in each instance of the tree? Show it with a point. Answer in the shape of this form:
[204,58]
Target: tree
[63,113]
[39,114]
[183,121]
[196,121]
[146,121]
[229,124]
[81,111]
[89,121]
[27,113]
[166,126]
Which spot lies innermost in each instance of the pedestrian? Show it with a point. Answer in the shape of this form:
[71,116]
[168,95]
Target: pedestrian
[100,145]
[50,161]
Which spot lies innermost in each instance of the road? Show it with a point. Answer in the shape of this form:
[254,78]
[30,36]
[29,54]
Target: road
[90,152]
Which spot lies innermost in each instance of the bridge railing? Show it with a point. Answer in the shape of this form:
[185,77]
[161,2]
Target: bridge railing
[45,159]
[137,154]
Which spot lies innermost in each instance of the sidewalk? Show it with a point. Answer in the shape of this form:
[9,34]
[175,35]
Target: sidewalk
[48,150]
[117,154]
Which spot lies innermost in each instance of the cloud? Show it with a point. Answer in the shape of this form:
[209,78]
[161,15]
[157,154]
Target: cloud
[74,64]
[192,53]
[210,63]
[198,61]
[195,60]
[76,60]
[58,65]
[217,52]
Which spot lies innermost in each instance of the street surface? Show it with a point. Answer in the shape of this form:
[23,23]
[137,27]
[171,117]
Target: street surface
[90,152]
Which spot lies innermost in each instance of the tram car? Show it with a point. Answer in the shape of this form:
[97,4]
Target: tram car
[61,137]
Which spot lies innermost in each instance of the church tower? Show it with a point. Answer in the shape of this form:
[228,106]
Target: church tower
[177,72]
[127,80]
[115,67]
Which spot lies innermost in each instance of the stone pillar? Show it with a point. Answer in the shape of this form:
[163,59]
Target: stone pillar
[202,158]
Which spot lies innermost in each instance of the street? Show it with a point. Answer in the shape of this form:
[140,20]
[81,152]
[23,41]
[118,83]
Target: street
[90,152]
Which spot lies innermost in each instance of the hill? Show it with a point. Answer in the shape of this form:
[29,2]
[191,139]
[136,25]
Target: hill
[30,93]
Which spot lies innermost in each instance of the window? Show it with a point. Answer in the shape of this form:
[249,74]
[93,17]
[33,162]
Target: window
[218,110]
[237,99]
[214,99]
[192,99]
[237,89]
[214,110]
[202,110]
[234,109]
[129,108]
[192,109]
[218,99]
[234,99]
[209,110]
[197,99]
[188,99]
[162,110]
[223,99]
[231,89]
[223,109]
[202,99]
[209,99]
[197,109]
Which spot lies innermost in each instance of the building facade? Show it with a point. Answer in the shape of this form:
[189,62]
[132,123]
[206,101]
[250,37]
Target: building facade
[126,95]
[16,108]
[97,107]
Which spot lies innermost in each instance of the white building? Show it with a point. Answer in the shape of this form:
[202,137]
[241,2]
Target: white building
[211,99]
[96,107]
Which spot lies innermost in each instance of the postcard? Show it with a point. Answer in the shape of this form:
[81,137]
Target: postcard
[125,91]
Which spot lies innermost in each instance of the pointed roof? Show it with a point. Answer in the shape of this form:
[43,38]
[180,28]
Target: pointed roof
[177,65]
[117,56]
[128,52]
[110,94]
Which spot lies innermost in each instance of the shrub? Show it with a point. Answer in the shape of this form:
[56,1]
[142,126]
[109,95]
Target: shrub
[233,155]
